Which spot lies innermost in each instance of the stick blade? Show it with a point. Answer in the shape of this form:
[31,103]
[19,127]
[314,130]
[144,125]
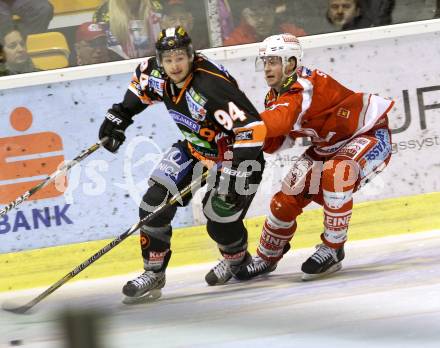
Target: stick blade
[12,307]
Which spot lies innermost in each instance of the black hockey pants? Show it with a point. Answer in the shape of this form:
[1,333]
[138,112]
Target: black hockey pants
[176,170]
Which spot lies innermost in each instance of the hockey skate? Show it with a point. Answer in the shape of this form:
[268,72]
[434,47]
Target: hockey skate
[258,266]
[223,271]
[147,287]
[324,261]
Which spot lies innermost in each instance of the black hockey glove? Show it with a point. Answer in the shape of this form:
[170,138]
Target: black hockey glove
[113,127]
[230,196]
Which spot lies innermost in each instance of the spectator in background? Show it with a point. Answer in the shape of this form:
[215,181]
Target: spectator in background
[35,15]
[178,13]
[363,13]
[377,12]
[437,10]
[17,60]
[129,26]
[259,20]
[358,14]
[91,44]
[175,13]
[345,15]
[413,10]
[309,15]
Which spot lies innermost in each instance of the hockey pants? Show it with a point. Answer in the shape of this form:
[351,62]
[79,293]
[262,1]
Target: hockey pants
[176,170]
[329,182]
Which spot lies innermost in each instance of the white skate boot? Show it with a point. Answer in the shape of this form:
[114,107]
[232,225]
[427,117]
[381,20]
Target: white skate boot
[146,287]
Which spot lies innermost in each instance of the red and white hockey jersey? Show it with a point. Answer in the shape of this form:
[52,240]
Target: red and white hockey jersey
[317,106]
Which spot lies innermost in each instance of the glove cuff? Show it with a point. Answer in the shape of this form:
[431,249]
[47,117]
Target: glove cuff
[233,171]
[120,121]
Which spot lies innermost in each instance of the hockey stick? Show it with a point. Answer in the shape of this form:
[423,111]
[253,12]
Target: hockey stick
[62,170]
[24,308]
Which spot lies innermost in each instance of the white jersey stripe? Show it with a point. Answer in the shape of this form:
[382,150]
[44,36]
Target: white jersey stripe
[366,103]
[249,125]
[249,144]
[307,95]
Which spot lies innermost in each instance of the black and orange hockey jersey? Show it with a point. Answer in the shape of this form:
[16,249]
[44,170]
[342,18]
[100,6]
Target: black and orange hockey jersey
[208,109]
[313,104]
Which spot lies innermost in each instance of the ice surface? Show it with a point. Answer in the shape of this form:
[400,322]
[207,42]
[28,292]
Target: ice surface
[387,295]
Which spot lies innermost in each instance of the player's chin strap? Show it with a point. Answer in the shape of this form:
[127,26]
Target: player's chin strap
[195,184]
[51,178]
[288,79]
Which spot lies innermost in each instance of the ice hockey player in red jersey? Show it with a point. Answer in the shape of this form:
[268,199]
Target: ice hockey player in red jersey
[351,142]
[214,115]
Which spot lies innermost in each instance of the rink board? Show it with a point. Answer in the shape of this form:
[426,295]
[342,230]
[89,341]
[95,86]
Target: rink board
[192,245]
[104,191]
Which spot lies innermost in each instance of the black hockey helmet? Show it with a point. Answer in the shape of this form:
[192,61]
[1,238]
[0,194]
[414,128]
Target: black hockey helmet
[175,38]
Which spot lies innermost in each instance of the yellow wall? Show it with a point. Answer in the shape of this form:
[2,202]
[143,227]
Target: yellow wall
[192,245]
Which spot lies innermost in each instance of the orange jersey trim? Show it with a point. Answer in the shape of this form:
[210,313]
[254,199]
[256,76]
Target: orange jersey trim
[210,72]
[258,134]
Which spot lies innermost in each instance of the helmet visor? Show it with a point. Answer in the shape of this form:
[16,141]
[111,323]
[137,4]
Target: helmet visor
[262,61]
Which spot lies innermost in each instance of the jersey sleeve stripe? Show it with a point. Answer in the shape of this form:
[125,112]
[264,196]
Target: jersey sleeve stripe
[242,144]
[307,95]
[366,104]
[376,108]
[252,134]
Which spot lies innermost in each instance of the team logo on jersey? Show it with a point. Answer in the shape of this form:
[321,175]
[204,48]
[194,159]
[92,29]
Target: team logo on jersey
[374,160]
[382,149]
[244,135]
[156,82]
[156,73]
[296,177]
[185,121]
[195,140]
[354,148]
[343,113]
[274,106]
[327,150]
[195,104]
[305,72]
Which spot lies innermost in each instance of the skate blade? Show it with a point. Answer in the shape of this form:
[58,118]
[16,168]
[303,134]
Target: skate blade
[221,282]
[150,296]
[307,277]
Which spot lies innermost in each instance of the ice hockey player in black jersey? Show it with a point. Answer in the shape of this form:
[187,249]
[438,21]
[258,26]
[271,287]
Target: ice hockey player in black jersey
[215,118]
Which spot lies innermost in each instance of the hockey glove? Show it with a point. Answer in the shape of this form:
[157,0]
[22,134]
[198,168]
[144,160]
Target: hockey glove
[229,198]
[114,127]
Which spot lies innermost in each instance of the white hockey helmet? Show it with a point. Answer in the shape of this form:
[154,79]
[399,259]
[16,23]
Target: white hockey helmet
[284,45]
